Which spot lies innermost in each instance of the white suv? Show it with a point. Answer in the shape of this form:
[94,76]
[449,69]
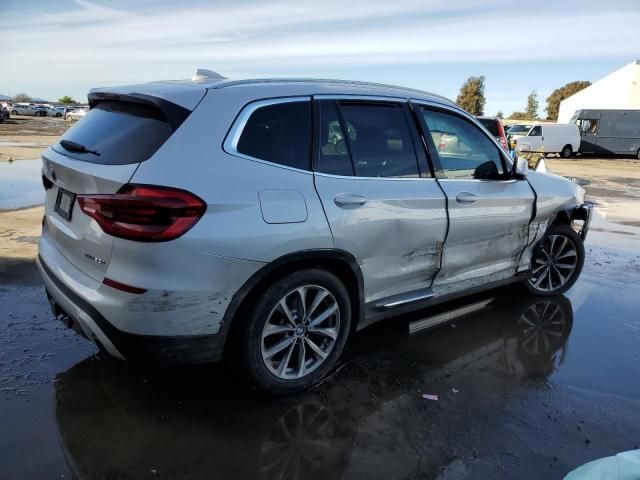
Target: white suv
[280,216]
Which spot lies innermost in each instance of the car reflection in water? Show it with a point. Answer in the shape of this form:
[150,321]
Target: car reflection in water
[367,420]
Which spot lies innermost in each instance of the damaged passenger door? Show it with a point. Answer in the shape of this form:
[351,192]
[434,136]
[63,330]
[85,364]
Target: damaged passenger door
[381,202]
[489,212]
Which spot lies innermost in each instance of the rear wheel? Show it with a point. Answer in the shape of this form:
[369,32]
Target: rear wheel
[14,112]
[556,262]
[638,154]
[567,151]
[296,331]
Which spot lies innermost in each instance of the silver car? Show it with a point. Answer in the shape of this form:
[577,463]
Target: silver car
[270,219]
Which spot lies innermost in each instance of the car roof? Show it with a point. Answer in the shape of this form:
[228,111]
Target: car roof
[188,93]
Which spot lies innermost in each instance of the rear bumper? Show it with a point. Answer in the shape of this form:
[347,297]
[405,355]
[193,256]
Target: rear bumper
[144,349]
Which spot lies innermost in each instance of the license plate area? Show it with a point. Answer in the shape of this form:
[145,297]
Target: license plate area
[64,203]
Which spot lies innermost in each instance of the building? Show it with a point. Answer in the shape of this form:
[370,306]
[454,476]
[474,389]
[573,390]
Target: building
[619,90]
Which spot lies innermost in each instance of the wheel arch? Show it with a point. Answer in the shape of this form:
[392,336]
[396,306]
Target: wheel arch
[339,262]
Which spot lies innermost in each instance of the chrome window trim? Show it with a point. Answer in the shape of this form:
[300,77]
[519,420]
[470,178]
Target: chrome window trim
[468,116]
[364,98]
[230,144]
[353,177]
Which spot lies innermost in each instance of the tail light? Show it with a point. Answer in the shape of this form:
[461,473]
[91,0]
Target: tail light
[503,142]
[144,213]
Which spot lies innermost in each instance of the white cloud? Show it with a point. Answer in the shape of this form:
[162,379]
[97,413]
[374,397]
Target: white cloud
[92,43]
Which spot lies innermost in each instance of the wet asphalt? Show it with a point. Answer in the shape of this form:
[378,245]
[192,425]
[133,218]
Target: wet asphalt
[528,388]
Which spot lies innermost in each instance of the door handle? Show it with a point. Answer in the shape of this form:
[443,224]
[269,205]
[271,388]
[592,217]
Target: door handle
[346,200]
[466,198]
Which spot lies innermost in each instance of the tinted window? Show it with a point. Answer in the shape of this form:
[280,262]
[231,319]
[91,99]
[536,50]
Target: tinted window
[333,156]
[379,140]
[464,150]
[120,132]
[490,125]
[279,133]
[536,131]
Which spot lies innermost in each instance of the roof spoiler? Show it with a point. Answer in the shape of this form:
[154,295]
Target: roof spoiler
[174,114]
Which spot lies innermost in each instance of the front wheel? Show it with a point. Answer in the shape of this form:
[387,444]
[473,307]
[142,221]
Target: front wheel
[566,151]
[556,262]
[297,331]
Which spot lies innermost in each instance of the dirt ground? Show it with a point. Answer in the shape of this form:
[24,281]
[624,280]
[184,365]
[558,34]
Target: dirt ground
[23,138]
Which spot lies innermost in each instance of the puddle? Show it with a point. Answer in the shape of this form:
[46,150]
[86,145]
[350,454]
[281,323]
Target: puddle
[20,184]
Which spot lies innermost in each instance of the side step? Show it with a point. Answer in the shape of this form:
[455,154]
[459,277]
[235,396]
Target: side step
[418,325]
[404,299]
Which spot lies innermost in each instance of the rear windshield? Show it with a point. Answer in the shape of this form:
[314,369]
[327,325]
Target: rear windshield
[118,132]
[490,125]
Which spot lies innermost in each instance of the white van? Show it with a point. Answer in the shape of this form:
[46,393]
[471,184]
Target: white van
[559,138]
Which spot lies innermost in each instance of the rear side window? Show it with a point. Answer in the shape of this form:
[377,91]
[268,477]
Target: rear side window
[379,139]
[279,133]
[119,132]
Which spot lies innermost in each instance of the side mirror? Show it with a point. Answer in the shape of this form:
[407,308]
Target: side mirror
[520,168]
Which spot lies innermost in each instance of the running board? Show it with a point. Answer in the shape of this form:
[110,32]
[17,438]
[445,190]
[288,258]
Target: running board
[418,325]
[404,299]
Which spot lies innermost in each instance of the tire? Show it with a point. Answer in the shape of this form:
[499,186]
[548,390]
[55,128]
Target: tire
[567,151]
[638,154]
[303,341]
[556,273]
[14,112]
[58,115]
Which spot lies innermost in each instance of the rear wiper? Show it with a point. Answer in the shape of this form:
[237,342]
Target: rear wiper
[76,147]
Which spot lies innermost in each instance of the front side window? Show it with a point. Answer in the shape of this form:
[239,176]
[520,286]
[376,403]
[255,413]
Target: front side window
[379,140]
[279,133]
[465,151]
[588,125]
[536,131]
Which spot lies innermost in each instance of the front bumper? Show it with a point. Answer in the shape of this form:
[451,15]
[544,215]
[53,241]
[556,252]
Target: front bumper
[583,212]
[158,350]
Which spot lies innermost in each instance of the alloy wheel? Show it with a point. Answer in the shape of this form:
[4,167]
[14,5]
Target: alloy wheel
[555,263]
[300,332]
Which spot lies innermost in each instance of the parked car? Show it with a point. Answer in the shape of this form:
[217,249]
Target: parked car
[55,111]
[609,132]
[27,109]
[495,127]
[183,218]
[4,110]
[76,114]
[551,138]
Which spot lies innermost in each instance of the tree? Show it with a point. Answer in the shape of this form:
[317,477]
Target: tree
[66,99]
[471,96]
[518,116]
[22,97]
[500,114]
[532,105]
[559,94]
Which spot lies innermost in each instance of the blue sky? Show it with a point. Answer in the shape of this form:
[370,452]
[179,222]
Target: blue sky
[63,47]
